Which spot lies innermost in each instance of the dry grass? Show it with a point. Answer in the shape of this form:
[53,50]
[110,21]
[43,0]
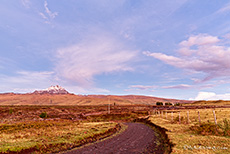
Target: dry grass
[188,141]
[64,127]
[71,99]
[203,102]
[12,114]
[49,136]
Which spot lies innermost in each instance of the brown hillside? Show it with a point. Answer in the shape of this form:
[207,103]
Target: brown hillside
[71,99]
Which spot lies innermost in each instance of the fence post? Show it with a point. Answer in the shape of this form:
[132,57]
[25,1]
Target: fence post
[172,115]
[179,118]
[188,116]
[109,106]
[199,117]
[214,117]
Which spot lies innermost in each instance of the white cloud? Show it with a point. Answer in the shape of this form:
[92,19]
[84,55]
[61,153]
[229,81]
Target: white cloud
[142,87]
[26,3]
[200,54]
[201,39]
[81,62]
[224,9]
[43,16]
[212,96]
[180,86]
[48,15]
[26,81]
[51,15]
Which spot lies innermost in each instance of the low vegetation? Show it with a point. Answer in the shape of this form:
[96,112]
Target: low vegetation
[51,136]
[205,103]
[191,135]
[48,129]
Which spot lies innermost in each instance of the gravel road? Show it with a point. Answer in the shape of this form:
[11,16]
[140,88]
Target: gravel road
[137,138]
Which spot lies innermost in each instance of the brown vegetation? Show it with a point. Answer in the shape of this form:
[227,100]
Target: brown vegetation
[71,99]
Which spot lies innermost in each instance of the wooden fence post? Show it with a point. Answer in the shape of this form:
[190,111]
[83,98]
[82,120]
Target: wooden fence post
[214,117]
[199,117]
[188,116]
[179,118]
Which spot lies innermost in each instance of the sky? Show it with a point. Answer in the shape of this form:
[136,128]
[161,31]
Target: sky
[173,49]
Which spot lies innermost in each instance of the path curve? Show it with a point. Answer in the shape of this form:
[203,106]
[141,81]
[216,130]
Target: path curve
[137,138]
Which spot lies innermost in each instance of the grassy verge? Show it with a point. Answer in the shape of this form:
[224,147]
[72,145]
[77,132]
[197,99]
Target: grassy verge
[51,136]
[190,136]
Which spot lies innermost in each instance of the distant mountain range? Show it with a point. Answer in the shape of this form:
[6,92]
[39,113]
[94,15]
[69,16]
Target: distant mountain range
[57,95]
[52,90]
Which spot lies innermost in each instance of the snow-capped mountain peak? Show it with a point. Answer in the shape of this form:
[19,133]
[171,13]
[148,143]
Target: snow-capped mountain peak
[52,90]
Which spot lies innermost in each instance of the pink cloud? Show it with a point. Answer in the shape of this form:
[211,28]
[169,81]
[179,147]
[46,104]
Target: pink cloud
[142,87]
[81,62]
[201,39]
[201,54]
[180,86]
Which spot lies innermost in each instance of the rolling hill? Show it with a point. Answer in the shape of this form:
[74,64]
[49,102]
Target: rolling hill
[72,99]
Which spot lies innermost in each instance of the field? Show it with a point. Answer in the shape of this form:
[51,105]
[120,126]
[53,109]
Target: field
[69,121]
[51,136]
[191,134]
[48,129]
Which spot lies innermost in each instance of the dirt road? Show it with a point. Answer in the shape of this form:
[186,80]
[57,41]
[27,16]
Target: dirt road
[137,138]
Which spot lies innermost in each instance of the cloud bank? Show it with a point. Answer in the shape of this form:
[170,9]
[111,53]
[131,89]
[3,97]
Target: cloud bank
[81,62]
[200,54]
[212,96]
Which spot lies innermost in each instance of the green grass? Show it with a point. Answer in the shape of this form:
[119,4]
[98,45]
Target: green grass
[50,136]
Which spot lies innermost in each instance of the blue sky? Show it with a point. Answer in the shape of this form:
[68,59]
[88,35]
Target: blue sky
[174,49]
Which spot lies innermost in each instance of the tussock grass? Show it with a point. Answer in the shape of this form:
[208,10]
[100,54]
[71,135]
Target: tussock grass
[194,137]
[50,136]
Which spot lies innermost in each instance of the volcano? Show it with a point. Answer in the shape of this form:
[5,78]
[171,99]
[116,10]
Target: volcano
[52,90]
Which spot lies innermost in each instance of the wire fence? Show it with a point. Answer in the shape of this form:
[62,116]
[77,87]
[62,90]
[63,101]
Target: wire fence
[191,116]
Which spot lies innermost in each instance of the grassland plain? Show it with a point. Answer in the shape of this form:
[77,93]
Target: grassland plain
[51,136]
[181,123]
[63,127]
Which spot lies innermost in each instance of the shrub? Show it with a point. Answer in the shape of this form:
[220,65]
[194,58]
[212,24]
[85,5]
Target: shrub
[159,103]
[168,103]
[43,115]
[225,127]
[205,129]
[10,111]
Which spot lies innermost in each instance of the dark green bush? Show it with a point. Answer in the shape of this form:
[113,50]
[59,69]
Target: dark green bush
[168,103]
[10,111]
[159,103]
[43,115]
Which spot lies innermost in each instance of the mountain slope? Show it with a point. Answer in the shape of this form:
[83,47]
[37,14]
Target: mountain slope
[71,99]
